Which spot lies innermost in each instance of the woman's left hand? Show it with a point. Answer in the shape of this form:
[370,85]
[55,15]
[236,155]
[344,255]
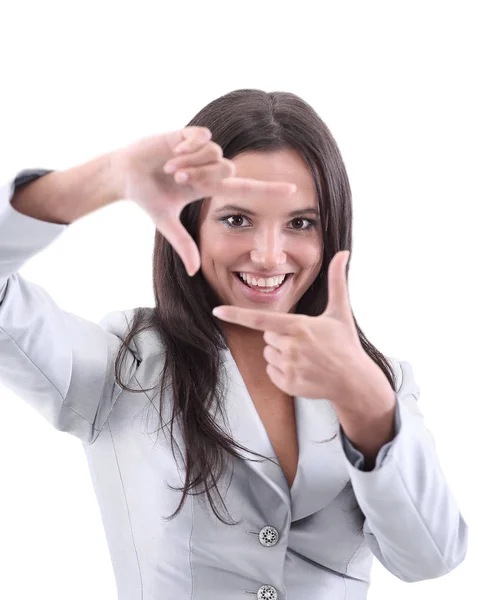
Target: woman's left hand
[315,357]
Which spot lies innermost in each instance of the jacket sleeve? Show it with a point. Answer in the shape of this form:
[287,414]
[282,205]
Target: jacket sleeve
[412,522]
[60,364]
[356,458]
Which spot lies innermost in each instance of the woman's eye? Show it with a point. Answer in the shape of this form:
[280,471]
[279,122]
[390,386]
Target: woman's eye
[300,220]
[229,222]
[239,217]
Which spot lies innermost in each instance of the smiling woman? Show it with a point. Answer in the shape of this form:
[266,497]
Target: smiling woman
[282,373]
[273,136]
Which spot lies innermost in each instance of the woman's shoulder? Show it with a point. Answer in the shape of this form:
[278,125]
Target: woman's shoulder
[406,383]
[397,370]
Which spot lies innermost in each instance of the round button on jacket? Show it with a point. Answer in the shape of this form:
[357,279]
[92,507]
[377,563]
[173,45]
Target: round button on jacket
[268,536]
[267,592]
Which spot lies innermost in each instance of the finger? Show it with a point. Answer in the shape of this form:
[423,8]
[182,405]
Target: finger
[205,178]
[275,340]
[278,378]
[338,303]
[239,187]
[282,323]
[173,230]
[193,139]
[274,357]
[218,180]
[179,136]
[211,153]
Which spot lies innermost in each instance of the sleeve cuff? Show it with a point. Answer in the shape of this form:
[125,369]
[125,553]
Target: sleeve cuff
[28,175]
[357,459]
[21,236]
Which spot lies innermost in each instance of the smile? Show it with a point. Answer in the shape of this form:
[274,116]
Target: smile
[260,293]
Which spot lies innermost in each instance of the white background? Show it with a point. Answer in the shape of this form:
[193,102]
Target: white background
[395,82]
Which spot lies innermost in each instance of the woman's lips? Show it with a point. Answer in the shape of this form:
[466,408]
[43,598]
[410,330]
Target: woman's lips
[256,295]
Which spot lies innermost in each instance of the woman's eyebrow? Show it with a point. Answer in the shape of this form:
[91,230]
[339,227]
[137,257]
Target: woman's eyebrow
[248,211]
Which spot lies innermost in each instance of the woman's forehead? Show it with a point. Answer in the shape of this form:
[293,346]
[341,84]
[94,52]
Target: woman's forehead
[272,164]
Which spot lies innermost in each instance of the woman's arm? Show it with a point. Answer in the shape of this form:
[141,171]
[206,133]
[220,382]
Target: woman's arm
[64,196]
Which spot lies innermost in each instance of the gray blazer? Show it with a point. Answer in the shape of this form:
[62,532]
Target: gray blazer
[315,541]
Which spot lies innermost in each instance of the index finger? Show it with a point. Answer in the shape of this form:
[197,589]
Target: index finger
[237,187]
[282,323]
[191,138]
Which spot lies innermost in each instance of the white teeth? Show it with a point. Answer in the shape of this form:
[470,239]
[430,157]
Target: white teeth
[261,282]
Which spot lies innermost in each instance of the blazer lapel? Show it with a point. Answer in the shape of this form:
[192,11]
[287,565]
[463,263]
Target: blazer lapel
[246,428]
[322,472]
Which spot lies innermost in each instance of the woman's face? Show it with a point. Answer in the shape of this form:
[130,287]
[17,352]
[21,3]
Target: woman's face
[263,238]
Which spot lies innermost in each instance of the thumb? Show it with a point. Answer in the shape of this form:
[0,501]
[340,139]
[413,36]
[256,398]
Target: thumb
[174,231]
[338,304]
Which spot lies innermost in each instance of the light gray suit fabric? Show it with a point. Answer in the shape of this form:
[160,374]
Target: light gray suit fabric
[315,541]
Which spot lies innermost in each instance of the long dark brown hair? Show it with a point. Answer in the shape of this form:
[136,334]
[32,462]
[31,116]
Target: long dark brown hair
[241,120]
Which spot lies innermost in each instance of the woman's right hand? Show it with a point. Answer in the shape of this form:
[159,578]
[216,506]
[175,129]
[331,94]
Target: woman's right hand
[142,172]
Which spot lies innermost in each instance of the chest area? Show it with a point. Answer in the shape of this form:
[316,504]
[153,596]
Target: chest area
[277,413]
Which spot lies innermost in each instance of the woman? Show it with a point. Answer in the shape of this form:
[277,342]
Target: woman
[289,451]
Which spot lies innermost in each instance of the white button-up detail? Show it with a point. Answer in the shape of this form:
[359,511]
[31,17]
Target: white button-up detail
[268,536]
[267,592]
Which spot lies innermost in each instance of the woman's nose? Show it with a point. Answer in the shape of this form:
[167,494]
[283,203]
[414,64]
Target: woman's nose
[268,256]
